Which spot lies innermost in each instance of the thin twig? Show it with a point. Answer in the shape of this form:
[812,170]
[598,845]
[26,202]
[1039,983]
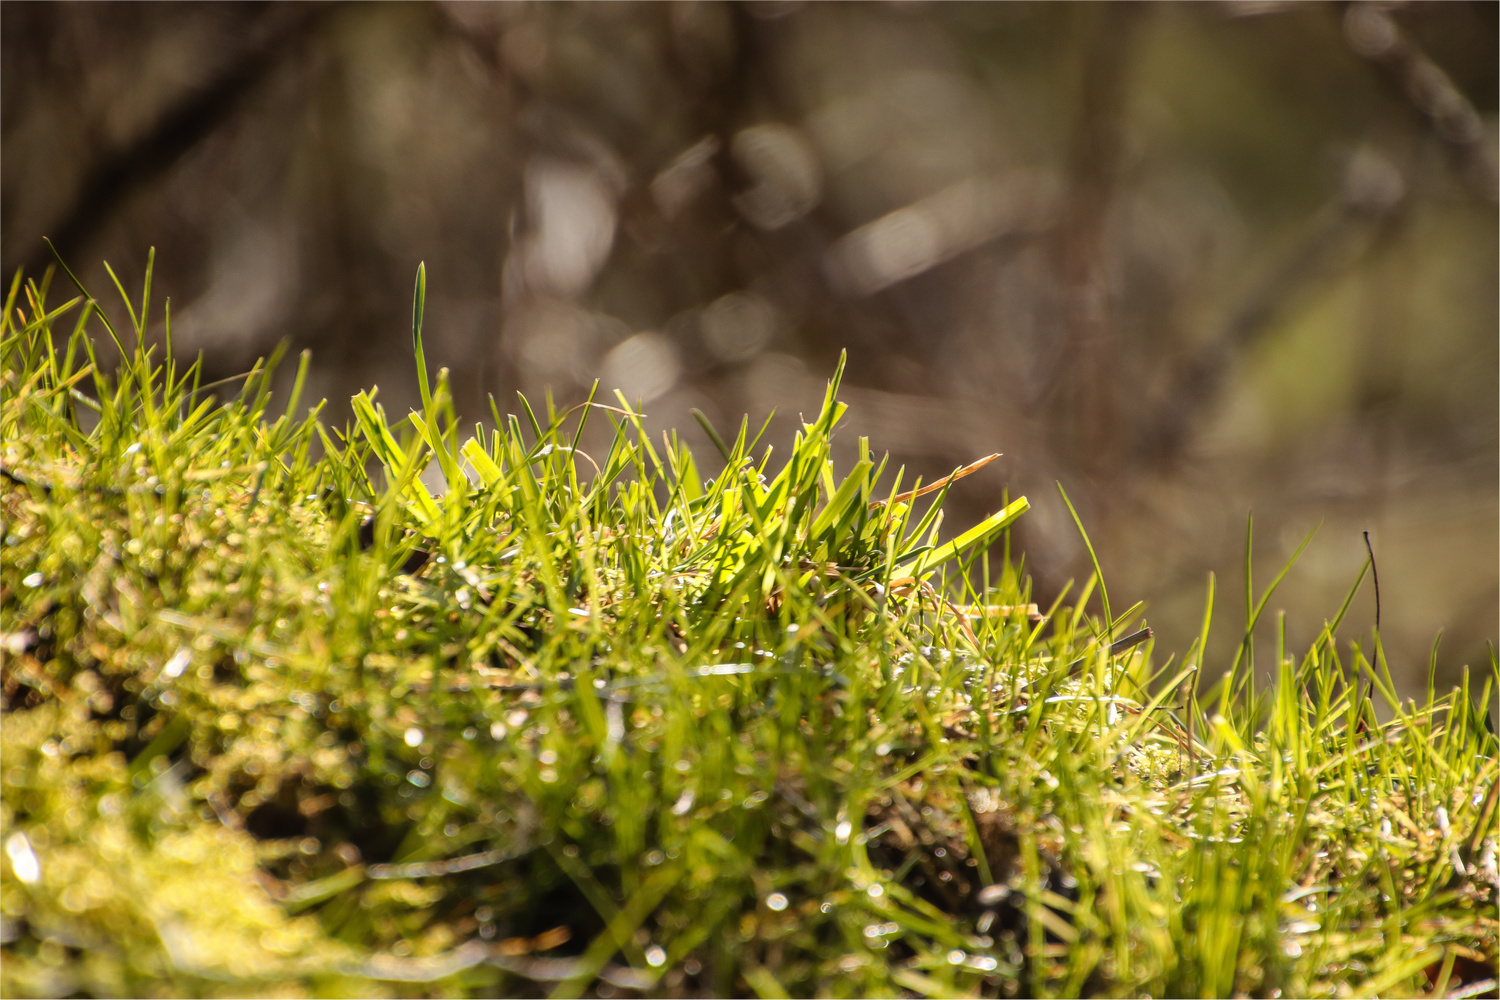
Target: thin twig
[1375,575]
[957,474]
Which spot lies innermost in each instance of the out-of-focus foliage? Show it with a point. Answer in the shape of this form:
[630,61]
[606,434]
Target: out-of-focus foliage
[1188,259]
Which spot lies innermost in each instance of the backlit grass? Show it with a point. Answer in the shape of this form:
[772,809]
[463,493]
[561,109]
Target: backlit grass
[281,719]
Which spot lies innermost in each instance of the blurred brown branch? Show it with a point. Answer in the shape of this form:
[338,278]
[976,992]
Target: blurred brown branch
[1371,193]
[180,126]
[1084,413]
[1374,34]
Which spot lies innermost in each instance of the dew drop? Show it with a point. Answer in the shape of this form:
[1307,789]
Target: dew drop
[23,860]
[177,664]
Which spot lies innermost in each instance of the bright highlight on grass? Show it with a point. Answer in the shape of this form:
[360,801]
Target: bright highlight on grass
[279,717]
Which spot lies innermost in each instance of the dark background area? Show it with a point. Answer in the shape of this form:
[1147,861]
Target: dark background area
[1192,261]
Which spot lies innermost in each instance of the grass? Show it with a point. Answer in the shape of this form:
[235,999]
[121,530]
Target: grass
[280,719]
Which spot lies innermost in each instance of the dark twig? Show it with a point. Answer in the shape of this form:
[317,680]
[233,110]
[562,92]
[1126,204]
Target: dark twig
[1359,685]
[1375,575]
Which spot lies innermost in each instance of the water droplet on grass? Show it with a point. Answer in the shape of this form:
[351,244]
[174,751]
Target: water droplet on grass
[23,860]
[177,664]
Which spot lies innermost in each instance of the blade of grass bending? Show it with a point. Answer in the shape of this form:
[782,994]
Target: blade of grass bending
[749,448]
[583,418]
[98,311]
[418,307]
[708,428]
[536,425]
[124,297]
[979,534]
[66,270]
[1093,558]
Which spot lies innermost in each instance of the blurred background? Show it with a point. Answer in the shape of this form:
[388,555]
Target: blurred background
[1192,261]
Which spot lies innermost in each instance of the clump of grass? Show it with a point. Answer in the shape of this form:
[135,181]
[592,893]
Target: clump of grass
[280,719]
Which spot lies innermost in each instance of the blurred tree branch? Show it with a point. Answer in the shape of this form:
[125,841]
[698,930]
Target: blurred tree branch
[180,126]
[1371,193]
[1375,35]
[1084,408]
